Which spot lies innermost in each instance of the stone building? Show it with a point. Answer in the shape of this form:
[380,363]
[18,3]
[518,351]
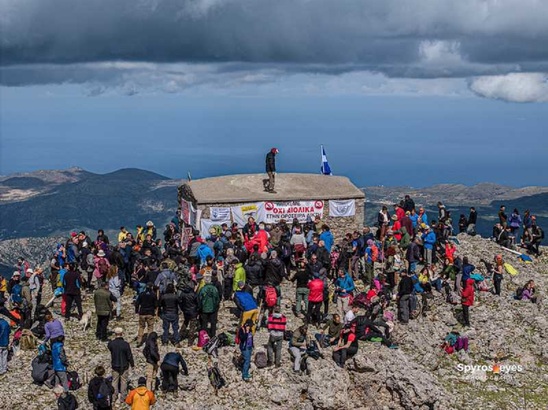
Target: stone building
[233,198]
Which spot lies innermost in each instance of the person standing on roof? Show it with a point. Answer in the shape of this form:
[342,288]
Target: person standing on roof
[270,170]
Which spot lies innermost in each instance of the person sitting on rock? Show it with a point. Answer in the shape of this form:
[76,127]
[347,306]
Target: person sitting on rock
[330,332]
[347,345]
[297,346]
[528,293]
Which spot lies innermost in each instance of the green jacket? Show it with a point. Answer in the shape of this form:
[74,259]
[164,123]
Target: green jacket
[239,276]
[103,302]
[208,299]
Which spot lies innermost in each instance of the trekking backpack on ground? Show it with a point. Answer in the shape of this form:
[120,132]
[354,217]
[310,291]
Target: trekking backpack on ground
[73,380]
[215,378]
[260,359]
[271,296]
[211,346]
[203,338]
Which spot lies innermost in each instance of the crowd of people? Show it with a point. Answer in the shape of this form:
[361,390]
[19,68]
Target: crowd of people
[344,291]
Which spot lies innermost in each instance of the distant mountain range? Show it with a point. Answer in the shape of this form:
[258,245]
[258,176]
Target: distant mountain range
[50,203]
[46,203]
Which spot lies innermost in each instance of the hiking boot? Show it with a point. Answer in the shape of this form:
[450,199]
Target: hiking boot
[268,364]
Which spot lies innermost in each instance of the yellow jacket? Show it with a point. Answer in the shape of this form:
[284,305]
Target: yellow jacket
[140,398]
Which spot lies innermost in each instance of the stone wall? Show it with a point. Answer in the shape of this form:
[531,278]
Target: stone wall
[339,225]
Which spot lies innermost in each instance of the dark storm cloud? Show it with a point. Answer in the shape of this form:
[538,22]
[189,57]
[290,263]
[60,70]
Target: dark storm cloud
[408,39]
[280,31]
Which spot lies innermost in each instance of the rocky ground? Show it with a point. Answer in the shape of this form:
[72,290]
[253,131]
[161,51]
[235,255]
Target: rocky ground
[417,376]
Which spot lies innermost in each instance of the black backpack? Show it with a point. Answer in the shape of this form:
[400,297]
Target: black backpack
[104,395]
[73,380]
[519,293]
[215,378]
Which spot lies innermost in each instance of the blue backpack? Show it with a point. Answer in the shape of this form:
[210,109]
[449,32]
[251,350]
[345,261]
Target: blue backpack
[16,293]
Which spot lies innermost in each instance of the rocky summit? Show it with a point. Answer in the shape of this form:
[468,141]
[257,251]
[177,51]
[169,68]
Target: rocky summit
[505,334]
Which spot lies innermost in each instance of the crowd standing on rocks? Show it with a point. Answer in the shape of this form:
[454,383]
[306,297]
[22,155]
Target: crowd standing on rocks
[289,284]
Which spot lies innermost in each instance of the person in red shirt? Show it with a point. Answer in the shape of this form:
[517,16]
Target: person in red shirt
[396,227]
[347,346]
[450,250]
[467,300]
[315,299]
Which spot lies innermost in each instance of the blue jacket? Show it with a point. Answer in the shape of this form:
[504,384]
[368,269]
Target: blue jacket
[58,356]
[244,301]
[174,359]
[466,271]
[429,240]
[414,219]
[4,333]
[345,283]
[327,237]
[416,284]
[203,252]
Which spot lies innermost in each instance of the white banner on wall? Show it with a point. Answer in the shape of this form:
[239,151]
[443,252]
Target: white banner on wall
[205,224]
[276,211]
[241,213]
[219,214]
[342,208]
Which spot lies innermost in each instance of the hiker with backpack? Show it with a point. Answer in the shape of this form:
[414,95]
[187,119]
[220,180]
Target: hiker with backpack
[151,353]
[140,398]
[72,291]
[188,303]
[100,390]
[276,329]
[5,330]
[315,299]
[467,300]
[102,265]
[344,286]
[275,273]
[121,359]
[208,306]
[145,306]
[169,313]
[297,346]
[245,337]
[170,371]
[103,300]
[164,278]
[246,305]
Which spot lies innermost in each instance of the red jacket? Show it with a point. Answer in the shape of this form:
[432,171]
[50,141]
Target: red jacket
[400,213]
[316,290]
[467,293]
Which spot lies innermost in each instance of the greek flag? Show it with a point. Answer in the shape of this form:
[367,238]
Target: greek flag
[326,169]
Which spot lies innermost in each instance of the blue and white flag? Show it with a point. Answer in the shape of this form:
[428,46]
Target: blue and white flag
[326,169]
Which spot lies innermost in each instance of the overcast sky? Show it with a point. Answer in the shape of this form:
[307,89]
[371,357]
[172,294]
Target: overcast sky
[151,80]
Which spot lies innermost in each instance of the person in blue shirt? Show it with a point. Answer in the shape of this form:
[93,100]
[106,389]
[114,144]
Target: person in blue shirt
[429,240]
[4,343]
[344,286]
[327,237]
[246,304]
[245,335]
[60,363]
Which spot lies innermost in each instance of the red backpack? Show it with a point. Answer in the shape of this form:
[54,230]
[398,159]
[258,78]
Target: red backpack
[270,296]
[374,253]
